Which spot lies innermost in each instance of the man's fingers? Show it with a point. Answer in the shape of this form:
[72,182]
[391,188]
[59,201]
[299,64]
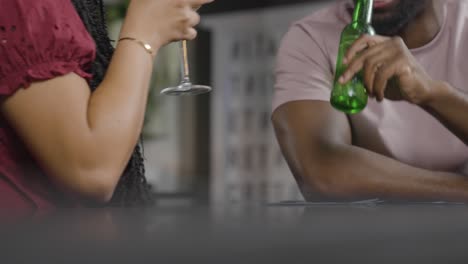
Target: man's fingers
[372,65]
[382,76]
[358,63]
[364,42]
[357,47]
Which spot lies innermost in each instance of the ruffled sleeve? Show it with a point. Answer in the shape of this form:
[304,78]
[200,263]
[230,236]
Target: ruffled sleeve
[40,40]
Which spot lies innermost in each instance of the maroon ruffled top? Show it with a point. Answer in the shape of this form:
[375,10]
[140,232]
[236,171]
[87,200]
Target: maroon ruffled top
[39,40]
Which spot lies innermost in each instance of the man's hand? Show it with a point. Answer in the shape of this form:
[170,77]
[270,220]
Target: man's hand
[389,69]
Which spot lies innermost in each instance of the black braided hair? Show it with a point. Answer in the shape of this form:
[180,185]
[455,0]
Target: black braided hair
[133,189]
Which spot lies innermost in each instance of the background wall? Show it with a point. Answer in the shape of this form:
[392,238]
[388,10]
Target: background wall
[247,165]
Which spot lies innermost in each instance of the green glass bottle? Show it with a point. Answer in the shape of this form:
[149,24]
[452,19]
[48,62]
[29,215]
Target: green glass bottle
[351,97]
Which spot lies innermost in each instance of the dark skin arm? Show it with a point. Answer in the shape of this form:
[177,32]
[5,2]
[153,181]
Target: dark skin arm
[316,141]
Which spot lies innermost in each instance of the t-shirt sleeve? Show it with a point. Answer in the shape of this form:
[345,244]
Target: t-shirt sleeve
[303,71]
[40,40]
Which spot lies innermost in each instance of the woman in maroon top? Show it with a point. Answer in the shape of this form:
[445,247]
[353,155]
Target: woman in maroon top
[72,108]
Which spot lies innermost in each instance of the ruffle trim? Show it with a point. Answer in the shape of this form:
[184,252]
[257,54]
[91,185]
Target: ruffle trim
[40,72]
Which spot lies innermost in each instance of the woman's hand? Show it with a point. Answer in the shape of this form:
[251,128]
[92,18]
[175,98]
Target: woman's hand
[160,22]
[389,69]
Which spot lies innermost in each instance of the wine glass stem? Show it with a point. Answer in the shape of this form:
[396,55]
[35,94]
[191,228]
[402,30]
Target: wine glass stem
[184,62]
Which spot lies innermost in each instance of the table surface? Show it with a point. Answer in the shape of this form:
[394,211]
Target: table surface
[281,233]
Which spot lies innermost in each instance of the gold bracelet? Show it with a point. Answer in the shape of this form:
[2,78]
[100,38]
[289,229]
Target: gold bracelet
[145,45]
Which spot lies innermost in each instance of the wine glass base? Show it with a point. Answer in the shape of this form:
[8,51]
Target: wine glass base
[182,90]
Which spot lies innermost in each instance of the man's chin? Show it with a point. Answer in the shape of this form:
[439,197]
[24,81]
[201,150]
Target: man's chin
[385,29]
[392,18]
[382,18]
[383,15]
[386,22]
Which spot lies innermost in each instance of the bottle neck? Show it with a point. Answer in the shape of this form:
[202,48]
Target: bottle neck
[363,12]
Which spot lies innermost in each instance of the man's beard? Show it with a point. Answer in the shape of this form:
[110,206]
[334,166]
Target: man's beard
[391,22]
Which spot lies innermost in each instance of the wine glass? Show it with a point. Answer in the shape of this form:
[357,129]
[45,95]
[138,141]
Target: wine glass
[186,87]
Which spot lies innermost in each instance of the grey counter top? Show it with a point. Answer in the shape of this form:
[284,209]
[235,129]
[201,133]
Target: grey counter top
[311,233]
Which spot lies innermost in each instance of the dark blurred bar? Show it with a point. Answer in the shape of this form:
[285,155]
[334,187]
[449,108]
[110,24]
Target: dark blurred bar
[221,6]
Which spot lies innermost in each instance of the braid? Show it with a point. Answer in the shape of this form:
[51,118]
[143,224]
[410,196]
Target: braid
[133,189]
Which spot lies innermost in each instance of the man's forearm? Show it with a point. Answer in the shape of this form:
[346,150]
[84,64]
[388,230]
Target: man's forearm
[349,172]
[450,106]
[317,143]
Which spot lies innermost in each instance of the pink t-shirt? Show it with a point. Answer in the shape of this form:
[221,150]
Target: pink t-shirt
[405,132]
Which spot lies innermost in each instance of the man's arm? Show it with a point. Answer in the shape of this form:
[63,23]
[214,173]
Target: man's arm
[316,141]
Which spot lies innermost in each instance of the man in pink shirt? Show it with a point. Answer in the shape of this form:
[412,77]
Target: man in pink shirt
[410,141]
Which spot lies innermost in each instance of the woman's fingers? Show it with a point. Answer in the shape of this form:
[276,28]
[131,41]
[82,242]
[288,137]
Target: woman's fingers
[160,22]
[190,34]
